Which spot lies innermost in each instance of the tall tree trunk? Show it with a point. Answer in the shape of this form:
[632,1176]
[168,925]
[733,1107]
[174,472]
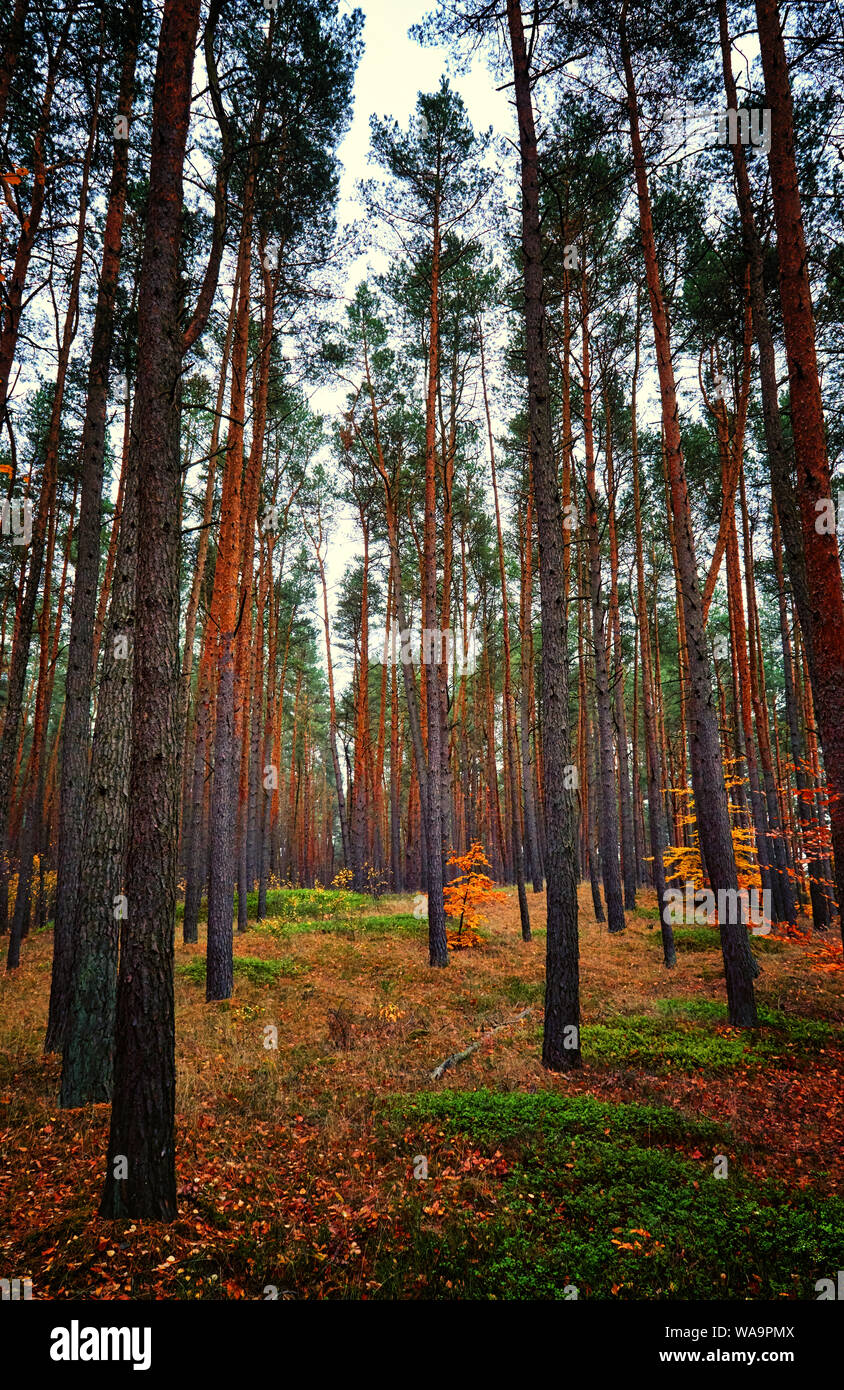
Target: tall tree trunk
[80,659]
[525,692]
[591,764]
[33,798]
[805,807]
[199,726]
[268,772]
[332,713]
[509,704]
[739,630]
[395,785]
[433,808]
[823,568]
[713,819]
[628,849]
[561,1041]
[361,795]
[783,896]
[244,646]
[143,1109]
[605,787]
[652,748]
[223,618]
[89,1040]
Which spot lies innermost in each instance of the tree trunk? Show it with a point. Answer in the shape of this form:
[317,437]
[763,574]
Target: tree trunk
[628,837]
[143,1109]
[509,705]
[80,659]
[432,805]
[88,1053]
[652,749]
[223,620]
[605,787]
[713,820]
[526,687]
[805,808]
[823,568]
[561,1041]
[783,896]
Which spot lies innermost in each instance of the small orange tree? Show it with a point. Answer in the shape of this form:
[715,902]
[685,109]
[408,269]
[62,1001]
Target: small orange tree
[683,862]
[467,893]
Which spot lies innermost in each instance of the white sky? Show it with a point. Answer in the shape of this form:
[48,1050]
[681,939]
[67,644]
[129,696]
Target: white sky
[392,71]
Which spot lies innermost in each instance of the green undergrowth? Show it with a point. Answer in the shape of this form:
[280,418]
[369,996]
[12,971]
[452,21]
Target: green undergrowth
[804,1032]
[497,1117]
[252,968]
[693,939]
[298,904]
[520,991]
[383,924]
[596,1200]
[648,912]
[683,1037]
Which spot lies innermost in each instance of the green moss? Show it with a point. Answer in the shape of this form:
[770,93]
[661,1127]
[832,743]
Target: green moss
[653,1044]
[681,1037]
[692,939]
[591,1200]
[491,1115]
[252,968]
[384,924]
[296,904]
[520,991]
[807,1033]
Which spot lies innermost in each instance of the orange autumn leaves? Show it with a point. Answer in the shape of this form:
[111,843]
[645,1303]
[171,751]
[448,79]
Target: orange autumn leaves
[467,894]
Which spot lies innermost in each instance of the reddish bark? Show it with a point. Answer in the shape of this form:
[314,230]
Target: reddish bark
[713,820]
[823,569]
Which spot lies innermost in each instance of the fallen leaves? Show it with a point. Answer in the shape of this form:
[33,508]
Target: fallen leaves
[301,1170]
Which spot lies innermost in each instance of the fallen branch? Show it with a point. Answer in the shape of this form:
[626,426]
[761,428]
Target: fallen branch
[461,1056]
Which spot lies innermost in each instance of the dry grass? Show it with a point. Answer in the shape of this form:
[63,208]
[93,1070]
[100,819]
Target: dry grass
[272,1134]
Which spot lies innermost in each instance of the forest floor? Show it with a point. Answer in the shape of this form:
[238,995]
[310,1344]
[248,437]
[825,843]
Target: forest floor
[685,1160]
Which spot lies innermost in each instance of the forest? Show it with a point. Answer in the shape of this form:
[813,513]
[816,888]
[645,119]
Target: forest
[422,650]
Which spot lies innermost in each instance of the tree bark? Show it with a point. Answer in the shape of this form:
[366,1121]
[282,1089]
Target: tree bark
[433,805]
[652,750]
[143,1108]
[561,1040]
[629,866]
[89,1040]
[80,658]
[509,705]
[608,817]
[224,617]
[713,820]
[823,568]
